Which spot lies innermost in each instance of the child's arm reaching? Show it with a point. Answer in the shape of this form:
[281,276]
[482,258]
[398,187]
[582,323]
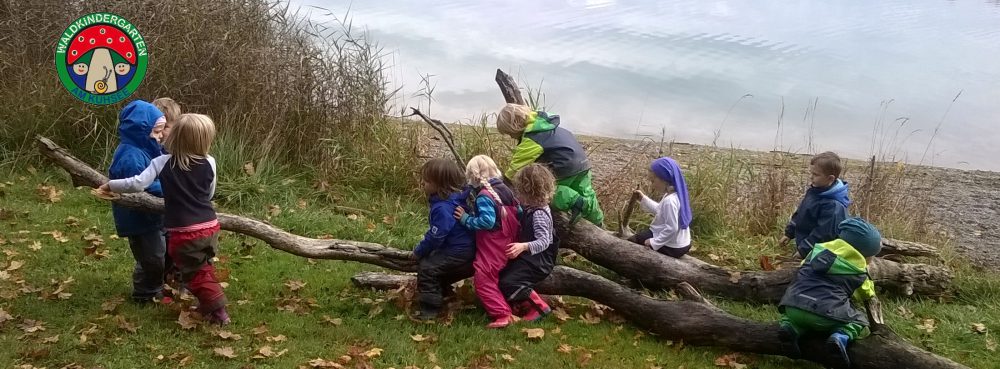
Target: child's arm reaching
[441,224]
[866,292]
[525,153]
[485,218]
[141,181]
[647,203]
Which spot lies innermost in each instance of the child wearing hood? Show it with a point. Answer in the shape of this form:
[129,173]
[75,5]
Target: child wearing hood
[540,139]
[670,231]
[819,300]
[823,207]
[140,130]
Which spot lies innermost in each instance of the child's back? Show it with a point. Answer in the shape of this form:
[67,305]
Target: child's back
[822,208]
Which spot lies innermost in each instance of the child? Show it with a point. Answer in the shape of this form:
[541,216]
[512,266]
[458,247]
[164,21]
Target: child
[670,232]
[823,207]
[534,255]
[188,177]
[171,110]
[494,219]
[818,301]
[447,251]
[140,129]
[541,140]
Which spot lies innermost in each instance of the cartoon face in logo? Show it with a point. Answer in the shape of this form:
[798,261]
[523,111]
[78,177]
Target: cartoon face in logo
[80,69]
[101,59]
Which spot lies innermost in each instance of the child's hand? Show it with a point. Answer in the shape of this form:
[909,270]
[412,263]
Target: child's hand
[104,192]
[783,241]
[515,249]
[459,212]
[649,243]
[637,195]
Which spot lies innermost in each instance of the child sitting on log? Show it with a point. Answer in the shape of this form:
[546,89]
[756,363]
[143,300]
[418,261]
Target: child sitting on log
[670,231]
[446,253]
[533,256]
[819,300]
[823,207]
[494,219]
[542,140]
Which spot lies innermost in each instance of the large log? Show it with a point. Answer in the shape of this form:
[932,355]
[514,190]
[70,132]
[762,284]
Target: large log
[650,268]
[654,270]
[696,322]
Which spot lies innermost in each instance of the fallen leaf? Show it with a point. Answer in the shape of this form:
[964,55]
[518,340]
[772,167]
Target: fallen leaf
[4,275]
[991,344]
[14,265]
[510,359]
[188,320]
[295,285]
[352,217]
[730,361]
[32,326]
[332,321]
[124,324]
[52,339]
[35,246]
[370,227]
[49,193]
[534,333]
[278,338]
[734,277]
[227,335]
[4,316]
[904,312]
[560,315]
[584,358]
[388,219]
[274,210]
[268,352]
[979,328]
[590,319]
[564,348]
[261,329]
[928,326]
[226,352]
[765,263]
[322,363]
[375,352]
[419,337]
[302,204]
[249,169]
[714,257]
[111,305]
[72,221]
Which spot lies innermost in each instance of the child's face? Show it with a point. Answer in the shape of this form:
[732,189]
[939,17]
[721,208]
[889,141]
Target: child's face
[656,184]
[819,179]
[157,133]
[166,129]
[429,187]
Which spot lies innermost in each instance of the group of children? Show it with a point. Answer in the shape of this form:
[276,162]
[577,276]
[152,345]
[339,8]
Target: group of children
[165,153]
[494,226]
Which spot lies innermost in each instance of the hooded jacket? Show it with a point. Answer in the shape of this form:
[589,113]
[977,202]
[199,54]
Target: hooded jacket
[830,276]
[134,153]
[543,141]
[816,219]
[445,233]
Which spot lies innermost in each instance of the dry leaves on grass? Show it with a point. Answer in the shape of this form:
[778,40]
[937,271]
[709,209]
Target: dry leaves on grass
[226,352]
[295,285]
[31,326]
[928,326]
[189,320]
[111,305]
[58,236]
[49,193]
[979,328]
[227,335]
[125,325]
[730,361]
[267,352]
[278,338]
[422,338]
[332,321]
[535,334]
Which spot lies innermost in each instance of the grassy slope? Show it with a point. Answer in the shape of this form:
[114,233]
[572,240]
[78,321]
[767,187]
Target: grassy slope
[256,283]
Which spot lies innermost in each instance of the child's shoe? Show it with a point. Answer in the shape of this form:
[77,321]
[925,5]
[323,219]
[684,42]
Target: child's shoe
[537,308]
[789,342]
[837,344]
[220,317]
[500,323]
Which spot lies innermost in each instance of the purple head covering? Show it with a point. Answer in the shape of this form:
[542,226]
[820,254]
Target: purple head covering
[669,171]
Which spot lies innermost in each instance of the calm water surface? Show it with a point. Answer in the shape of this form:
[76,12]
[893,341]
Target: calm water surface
[642,67]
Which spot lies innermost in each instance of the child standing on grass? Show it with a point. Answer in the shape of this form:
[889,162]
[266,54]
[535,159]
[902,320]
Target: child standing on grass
[534,255]
[140,129]
[188,178]
[541,140]
[823,207]
[494,219]
[670,231]
[819,299]
[447,251]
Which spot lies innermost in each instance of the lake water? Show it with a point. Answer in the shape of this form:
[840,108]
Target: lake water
[642,67]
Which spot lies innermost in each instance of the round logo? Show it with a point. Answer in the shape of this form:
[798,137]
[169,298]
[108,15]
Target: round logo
[101,58]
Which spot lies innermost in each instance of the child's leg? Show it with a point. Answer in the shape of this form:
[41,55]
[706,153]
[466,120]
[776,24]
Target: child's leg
[674,252]
[436,271]
[585,186]
[517,280]
[641,237]
[148,250]
[192,256]
[486,282]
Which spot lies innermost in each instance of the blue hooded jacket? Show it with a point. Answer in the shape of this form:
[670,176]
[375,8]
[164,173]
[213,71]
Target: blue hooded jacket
[817,217]
[445,233]
[133,155]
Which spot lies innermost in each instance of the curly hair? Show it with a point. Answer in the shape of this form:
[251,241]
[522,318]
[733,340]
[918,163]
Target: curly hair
[535,185]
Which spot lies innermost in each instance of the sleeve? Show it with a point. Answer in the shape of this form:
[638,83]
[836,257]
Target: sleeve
[866,292]
[526,152]
[215,176]
[141,181]
[486,215]
[133,164]
[441,223]
[649,205]
[667,221]
[790,227]
[541,224]
[828,217]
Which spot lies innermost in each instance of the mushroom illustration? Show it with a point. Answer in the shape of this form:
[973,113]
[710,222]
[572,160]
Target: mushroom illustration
[107,56]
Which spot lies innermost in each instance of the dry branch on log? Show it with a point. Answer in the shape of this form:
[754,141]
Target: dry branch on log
[446,135]
[508,87]
[692,321]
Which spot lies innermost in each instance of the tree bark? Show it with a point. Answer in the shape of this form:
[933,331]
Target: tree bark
[698,322]
[650,268]
[508,87]
[694,321]
[907,248]
[655,270]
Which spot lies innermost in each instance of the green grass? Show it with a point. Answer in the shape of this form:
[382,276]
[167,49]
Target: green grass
[369,319]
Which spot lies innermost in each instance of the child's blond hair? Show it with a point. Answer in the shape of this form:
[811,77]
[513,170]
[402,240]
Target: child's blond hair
[512,119]
[535,185]
[479,171]
[191,139]
[170,109]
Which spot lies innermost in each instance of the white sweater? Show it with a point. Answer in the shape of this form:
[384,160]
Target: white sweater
[665,226]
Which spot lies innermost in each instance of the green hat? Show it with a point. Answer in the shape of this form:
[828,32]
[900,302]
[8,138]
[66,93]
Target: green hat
[863,236]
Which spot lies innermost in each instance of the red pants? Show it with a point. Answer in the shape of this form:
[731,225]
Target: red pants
[192,254]
[491,257]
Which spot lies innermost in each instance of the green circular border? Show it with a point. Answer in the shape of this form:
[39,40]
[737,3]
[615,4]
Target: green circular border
[141,61]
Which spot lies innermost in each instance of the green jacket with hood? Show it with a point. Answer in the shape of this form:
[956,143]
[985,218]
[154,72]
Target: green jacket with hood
[832,274]
[543,141]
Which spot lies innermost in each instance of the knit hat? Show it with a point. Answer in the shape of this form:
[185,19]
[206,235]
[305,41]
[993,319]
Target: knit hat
[863,236]
[513,118]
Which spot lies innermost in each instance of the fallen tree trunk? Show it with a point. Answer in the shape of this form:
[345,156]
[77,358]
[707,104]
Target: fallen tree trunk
[907,248]
[696,322]
[657,271]
[650,268]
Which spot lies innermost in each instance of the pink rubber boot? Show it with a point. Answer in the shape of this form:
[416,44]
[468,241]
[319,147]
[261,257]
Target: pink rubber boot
[538,308]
